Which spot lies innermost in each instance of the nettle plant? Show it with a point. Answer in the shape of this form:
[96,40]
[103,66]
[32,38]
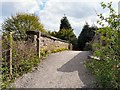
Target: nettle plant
[107,69]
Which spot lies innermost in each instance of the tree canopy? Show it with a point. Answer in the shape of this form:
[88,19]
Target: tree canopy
[65,23]
[22,22]
[65,32]
[86,35]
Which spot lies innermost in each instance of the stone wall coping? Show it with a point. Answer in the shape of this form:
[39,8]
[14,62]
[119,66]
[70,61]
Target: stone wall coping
[35,32]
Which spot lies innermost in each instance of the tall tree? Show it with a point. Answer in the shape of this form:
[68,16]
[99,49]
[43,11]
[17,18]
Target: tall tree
[65,23]
[68,35]
[66,32]
[86,35]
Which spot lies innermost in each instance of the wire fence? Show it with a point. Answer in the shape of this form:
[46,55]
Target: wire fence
[18,56]
[21,54]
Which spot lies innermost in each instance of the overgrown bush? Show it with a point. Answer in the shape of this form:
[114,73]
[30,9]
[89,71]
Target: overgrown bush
[106,73]
[44,52]
[88,47]
[58,50]
[24,59]
[107,69]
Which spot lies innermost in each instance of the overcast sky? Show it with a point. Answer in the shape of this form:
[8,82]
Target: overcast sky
[51,11]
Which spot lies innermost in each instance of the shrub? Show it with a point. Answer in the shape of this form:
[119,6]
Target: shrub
[58,50]
[107,70]
[24,59]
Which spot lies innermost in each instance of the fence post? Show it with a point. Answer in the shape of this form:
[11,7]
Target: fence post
[38,43]
[10,51]
[70,46]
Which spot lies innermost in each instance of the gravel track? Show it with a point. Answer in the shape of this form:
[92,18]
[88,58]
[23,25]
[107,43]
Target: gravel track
[59,70]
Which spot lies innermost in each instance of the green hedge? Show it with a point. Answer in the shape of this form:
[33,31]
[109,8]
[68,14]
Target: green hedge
[106,72]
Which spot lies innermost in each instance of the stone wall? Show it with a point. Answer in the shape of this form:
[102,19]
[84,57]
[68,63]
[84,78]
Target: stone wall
[50,44]
[16,51]
[35,42]
[47,42]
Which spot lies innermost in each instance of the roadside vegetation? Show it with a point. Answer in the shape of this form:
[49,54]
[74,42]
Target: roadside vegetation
[107,69]
[23,63]
[23,54]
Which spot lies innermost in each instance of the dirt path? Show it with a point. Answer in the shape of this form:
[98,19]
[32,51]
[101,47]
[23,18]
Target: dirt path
[60,70]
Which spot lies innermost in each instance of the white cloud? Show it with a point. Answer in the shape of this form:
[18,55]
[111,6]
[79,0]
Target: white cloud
[77,11]
[51,11]
[119,8]
[10,8]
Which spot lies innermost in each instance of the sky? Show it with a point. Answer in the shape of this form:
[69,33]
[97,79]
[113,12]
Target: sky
[51,12]
[119,7]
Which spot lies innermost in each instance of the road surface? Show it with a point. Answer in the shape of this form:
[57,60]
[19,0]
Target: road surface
[59,70]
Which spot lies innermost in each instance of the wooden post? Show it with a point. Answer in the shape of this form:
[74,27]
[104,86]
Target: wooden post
[38,43]
[10,52]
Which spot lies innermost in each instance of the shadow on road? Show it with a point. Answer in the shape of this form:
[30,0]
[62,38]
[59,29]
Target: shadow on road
[77,64]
